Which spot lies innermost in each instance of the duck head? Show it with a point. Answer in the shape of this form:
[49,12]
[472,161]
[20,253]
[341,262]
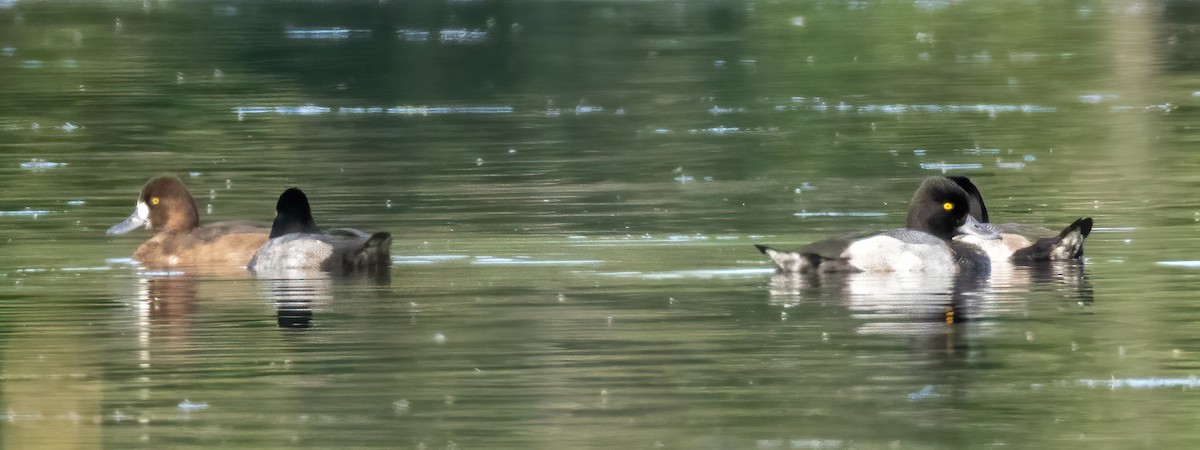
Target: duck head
[941,207]
[164,205]
[292,214]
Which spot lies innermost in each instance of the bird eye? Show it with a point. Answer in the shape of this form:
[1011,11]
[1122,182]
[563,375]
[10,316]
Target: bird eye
[948,206]
[154,201]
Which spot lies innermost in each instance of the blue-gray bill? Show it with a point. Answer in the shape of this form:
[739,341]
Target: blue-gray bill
[979,229]
[127,225]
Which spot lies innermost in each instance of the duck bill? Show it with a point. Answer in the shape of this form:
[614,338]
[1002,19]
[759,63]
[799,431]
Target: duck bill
[139,218]
[978,229]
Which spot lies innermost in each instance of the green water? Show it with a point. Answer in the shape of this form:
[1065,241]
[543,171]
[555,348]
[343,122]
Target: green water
[573,189]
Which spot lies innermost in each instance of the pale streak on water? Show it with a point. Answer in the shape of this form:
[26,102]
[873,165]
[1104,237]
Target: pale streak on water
[690,274]
[454,36]
[26,212]
[325,33]
[313,110]
[1141,383]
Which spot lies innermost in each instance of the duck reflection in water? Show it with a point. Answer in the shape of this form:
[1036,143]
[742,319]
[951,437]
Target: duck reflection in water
[920,303]
[889,303]
[298,294]
[294,299]
[168,299]
[938,317]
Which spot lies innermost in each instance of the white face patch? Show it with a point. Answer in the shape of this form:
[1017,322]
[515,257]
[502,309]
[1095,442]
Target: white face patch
[143,212]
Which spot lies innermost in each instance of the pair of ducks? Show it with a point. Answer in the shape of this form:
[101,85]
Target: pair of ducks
[946,231]
[166,208]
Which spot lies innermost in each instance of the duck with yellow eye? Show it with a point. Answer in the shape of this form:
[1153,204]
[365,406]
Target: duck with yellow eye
[938,211]
[166,208]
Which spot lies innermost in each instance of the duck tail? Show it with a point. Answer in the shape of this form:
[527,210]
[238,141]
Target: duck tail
[1067,245]
[375,252]
[1083,226]
[786,262]
[1070,241]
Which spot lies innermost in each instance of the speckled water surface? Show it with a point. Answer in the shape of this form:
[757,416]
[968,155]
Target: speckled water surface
[574,190]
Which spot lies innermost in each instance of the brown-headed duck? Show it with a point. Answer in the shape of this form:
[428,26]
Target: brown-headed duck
[166,209]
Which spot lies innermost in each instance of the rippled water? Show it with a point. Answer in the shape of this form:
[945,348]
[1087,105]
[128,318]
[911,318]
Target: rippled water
[573,189]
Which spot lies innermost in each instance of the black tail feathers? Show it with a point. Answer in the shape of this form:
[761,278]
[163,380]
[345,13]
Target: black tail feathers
[1083,225]
[1067,245]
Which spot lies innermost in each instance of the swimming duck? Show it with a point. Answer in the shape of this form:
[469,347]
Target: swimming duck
[167,209]
[297,244]
[1021,243]
[939,210]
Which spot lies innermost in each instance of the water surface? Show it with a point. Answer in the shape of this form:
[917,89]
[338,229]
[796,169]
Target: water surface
[573,189]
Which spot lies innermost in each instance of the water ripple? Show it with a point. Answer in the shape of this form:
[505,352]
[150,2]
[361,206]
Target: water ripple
[820,104]
[1141,383]
[701,273]
[527,261]
[312,110]
[839,214]
[41,164]
[328,34]
[26,212]
[1187,264]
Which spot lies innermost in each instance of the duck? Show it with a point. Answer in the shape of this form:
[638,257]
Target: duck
[939,211]
[296,244]
[1023,243]
[166,208]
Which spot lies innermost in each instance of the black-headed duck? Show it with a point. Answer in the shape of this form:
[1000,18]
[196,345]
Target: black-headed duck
[939,210]
[1022,243]
[297,244]
[167,209]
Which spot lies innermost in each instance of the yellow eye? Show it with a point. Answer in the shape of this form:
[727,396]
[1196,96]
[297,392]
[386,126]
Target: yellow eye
[154,201]
[948,206]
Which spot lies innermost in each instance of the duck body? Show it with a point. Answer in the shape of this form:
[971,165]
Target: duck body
[166,208]
[297,245]
[226,243]
[338,251]
[1026,243]
[938,211]
[900,250]
[1023,243]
